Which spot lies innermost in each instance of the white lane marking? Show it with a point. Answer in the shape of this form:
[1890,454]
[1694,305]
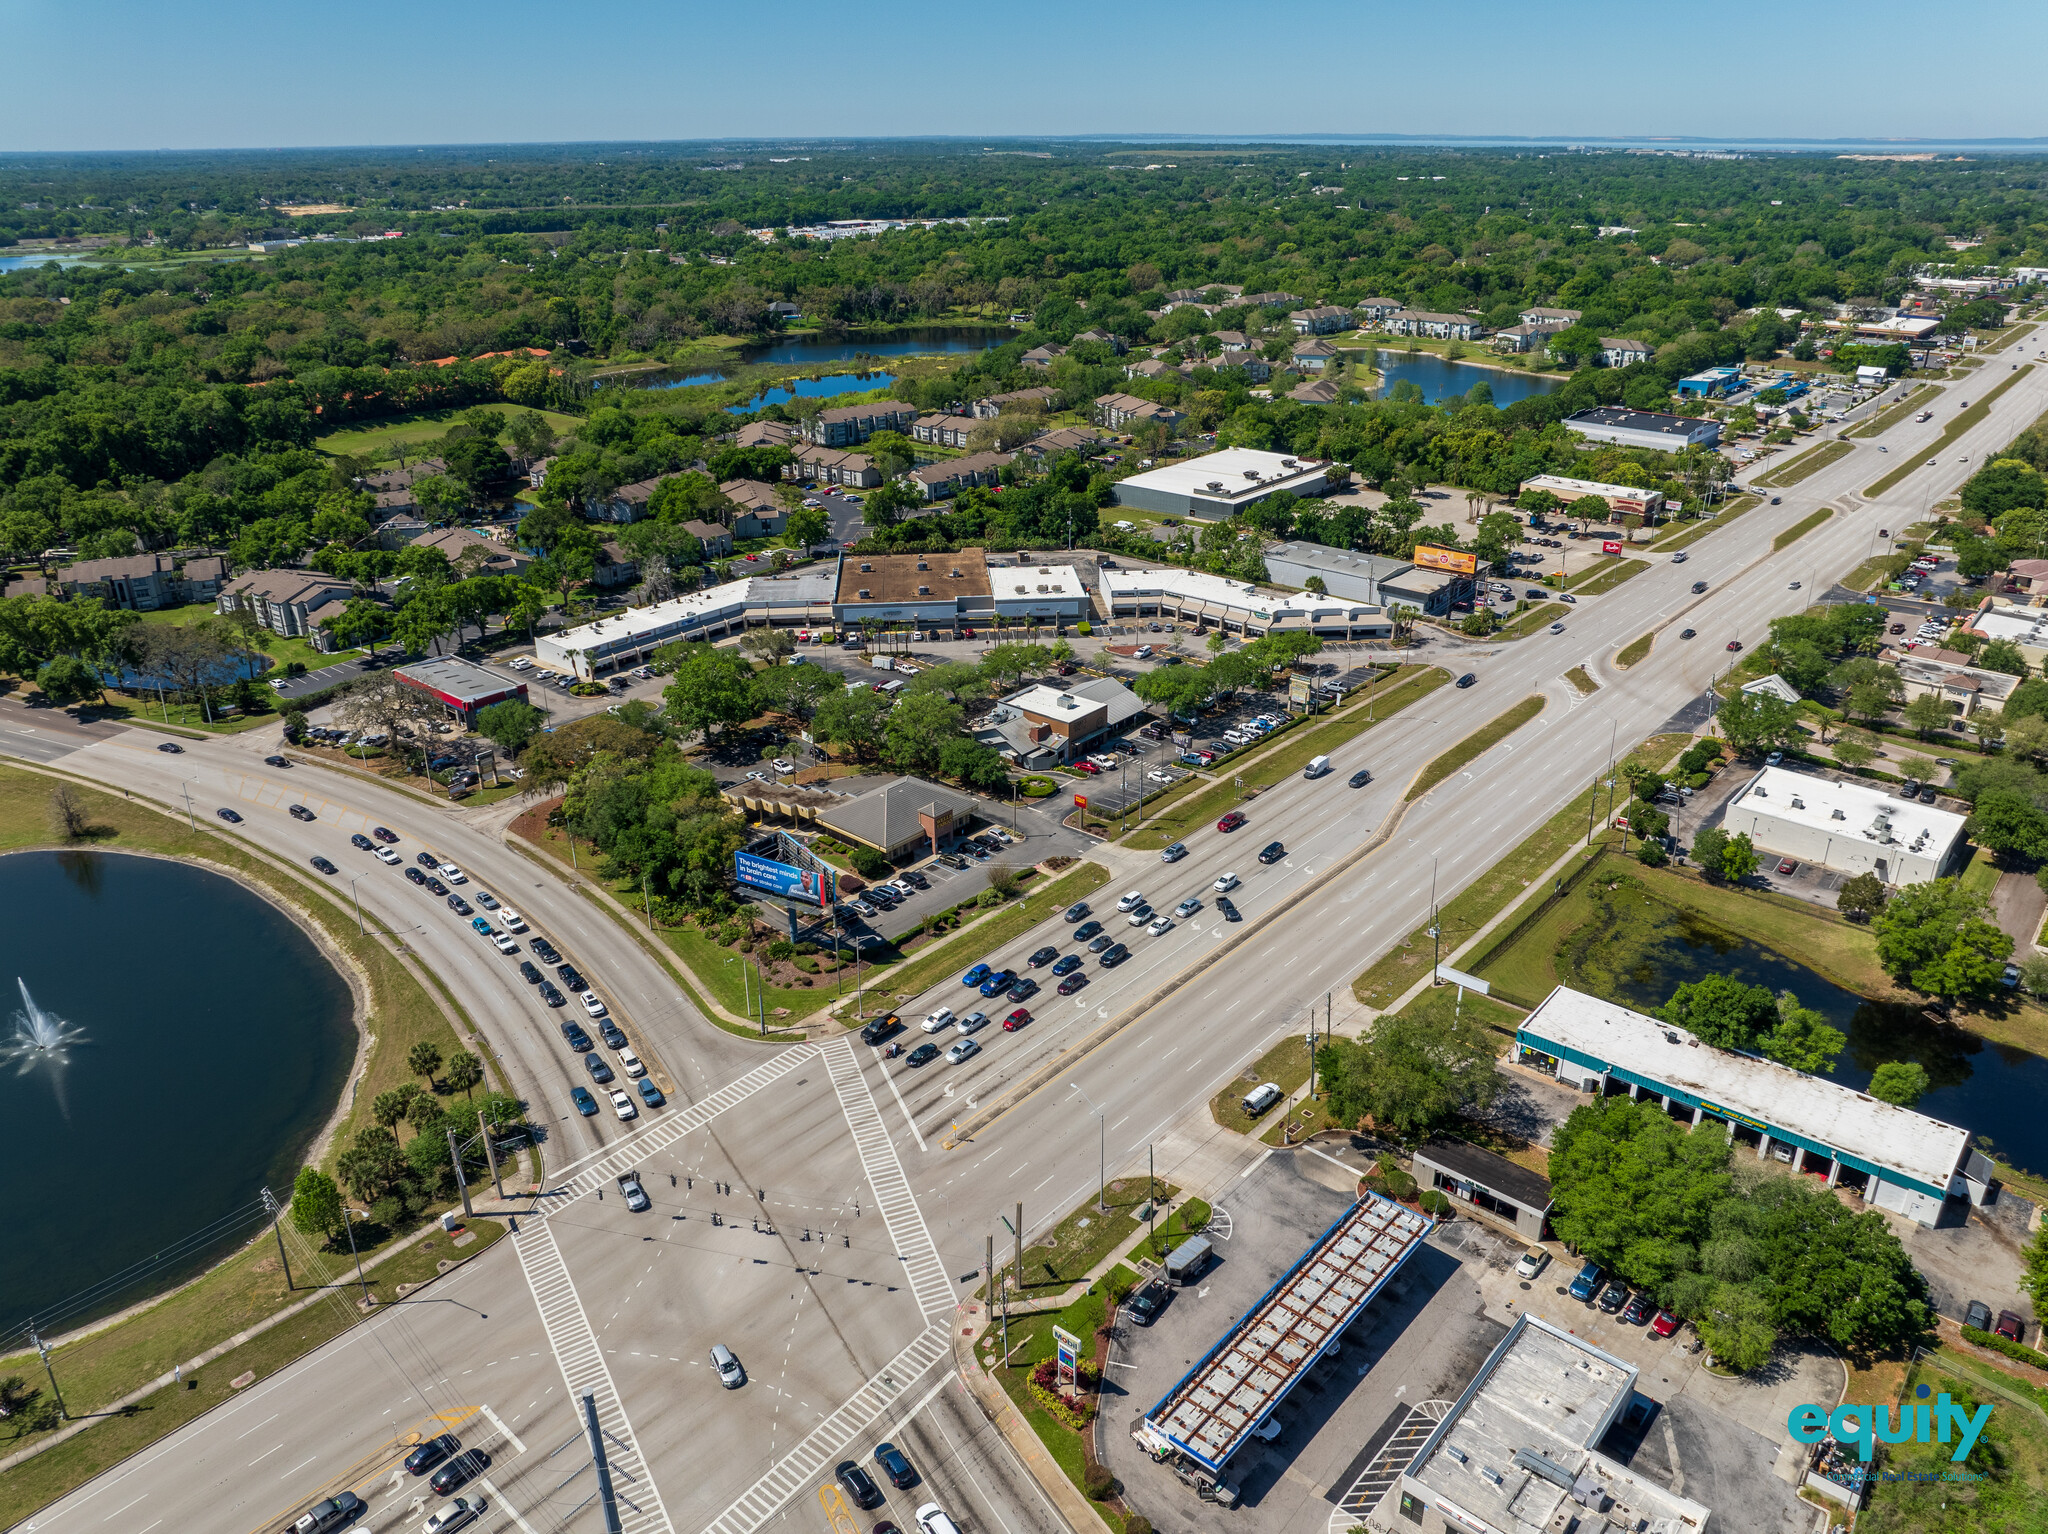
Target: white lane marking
[498,1500]
[511,1437]
[259,1459]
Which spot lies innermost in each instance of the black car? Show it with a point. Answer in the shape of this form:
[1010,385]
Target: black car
[924,1054]
[1467,679]
[1272,852]
[857,1484]
[1086,930]
[1043,957]
[461,1470]
[1226,908]
[1100,942]
[528,973]
[551,996]
[1146,1304]
[600,1068]
[611,1033]
[1114,955]
[172,747]
[417,877]
[435,886]
[458,905]
[300,812]
[545,949]
[881,1028]
[571,978]
[1978,1315]
[574,1036]
[275,761]
[431,1453]
[362,841]
[1024,989]
[229,816]
[383,835]
[1687,633]
[895,1465]
[1614,1297]
[1077,910]
[1927,794]
[1072,983]
[887,899]
[426,860]
[323,865]
[916,880]
[1360,778]
[1639,1309]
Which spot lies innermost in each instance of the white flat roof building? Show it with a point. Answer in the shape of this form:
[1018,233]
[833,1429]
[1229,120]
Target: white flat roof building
[1038,591]
[1617,497]
[2026,627]
[1518,1452]
[1905,1161]
[630,636]
[1219,485]
[1848,827]
[1238,607]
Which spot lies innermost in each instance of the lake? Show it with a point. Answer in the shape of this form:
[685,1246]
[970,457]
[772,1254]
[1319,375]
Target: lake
[1440,380]
[815,351]
[26,263]
[1988,1089]
[216,1042]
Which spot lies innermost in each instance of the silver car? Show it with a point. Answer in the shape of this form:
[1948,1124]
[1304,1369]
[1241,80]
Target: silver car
[730,1374]
[966,1049]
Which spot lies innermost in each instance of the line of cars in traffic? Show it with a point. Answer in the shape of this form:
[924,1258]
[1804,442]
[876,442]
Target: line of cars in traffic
[861,1490]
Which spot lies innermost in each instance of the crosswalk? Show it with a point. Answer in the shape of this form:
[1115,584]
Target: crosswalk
[929,1282]
[828,1440]
[602,1167]
[585,1373]
[1384,1473]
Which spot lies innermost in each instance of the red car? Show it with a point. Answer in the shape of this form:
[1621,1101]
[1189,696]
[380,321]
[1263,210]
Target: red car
[1663,1324]
[1734,644]
[1788,866]
[1016,1020]
[1084,765]
[1231,821]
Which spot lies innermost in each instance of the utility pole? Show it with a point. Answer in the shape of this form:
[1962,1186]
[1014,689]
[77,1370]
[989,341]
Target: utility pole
[605,1493]
[50,1369]
[271,1204]
[348,1218]
[187,786]
[491,1155]
[352,895]
[647,901]
[455,1154]
[1435,927]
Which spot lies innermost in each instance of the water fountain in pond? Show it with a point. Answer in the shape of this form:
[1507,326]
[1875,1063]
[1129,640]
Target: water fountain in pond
[41,1039]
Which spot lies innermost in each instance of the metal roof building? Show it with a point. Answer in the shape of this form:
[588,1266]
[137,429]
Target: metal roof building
[1236,1385]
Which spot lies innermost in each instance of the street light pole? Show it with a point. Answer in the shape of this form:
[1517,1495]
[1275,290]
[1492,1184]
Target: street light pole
[352,895]
[187,786]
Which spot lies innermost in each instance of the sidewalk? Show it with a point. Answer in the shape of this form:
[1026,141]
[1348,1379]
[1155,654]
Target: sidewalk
[1075,1510]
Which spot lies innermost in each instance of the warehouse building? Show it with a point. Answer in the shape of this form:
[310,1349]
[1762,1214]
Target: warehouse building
[1518,1452]
[462,687]
[1239,607]
[803,598]
[1220,485]
[1644,428]
[1366,577]
[1895,1158]
[1849,827]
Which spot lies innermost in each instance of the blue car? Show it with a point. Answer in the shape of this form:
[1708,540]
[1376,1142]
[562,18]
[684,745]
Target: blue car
[585,1103]
[976,975]
[650,1094]
[1067,965]
[998,982]
[1587,1284]
[483,927]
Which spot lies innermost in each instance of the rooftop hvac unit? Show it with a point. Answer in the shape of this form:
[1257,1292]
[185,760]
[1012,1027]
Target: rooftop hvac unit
[1838,815]
[1215,484]
[1251,473]
[865,593]
[1457,1453]
[1762,792]
[1287,463]
[1798,803]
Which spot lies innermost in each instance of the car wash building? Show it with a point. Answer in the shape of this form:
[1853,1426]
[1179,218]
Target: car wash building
[1894,1157]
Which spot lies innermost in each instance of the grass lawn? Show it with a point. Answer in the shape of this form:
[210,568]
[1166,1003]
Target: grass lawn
[1693,532]
[1474,746]
[1865,575]
[1963,421]
[1177,813]
[1072,1248]
[2004,1483]
[1582,679]
[1809,462]
[1921,397]
[1491,893]
[366,440]
[104,1367]
[1982,873]
[1634,651]
[1285,1065]
[1533,620]
[177,717]
[281,650]
[1591,583]
[1800,529]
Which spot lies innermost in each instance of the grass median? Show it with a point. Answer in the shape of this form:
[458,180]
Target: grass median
[1591,583]
[1536,618]
[1175,816]
[1695,531]
[1955,429]
[1912,404]
[1491,893]
[1582,679]
[1634,650]
[1800,529]
[1807,463]
[1474,746]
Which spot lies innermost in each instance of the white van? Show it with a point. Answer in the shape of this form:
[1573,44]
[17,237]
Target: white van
[1316,768]
[1261,1097]
[932,1519]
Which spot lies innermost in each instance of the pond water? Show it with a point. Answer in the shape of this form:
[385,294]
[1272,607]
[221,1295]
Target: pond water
[811,351]
[1440,380]
[1638,951]
[29,263]
[215,1041]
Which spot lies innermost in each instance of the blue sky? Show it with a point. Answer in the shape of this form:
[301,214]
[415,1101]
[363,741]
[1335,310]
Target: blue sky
[121,74]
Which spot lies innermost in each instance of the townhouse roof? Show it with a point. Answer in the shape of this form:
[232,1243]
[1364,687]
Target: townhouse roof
[284,585]
[956,468]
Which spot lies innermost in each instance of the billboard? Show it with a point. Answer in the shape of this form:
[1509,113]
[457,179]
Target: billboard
[808,885]
[1430,557]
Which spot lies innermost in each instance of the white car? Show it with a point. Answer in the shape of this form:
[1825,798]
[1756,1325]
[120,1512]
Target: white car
[593,1003]
[1533,1262]
[782,764]
[939,1021]
[966,1049]
[503,943]
[1106,759]
[513,921]
[522,664]
[1269,1430]
[973,1022]
[1160,925]
[1161,775]
[631,1063]
[1133,898]
[623,1105]
[1226,882]
[813,502]
[459,1514]
[386,855]
[452,874]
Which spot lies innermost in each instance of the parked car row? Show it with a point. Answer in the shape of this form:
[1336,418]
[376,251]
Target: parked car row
[1614,1297]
